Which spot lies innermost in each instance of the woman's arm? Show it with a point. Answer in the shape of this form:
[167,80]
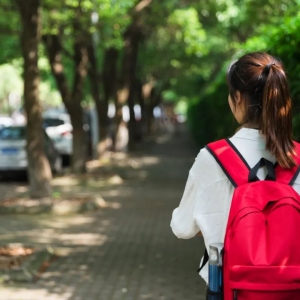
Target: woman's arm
[183,222]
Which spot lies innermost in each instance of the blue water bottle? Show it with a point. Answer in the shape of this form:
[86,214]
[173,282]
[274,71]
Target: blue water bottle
[215,276]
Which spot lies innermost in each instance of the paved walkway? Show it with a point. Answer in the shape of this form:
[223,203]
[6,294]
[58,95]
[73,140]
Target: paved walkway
[125,251]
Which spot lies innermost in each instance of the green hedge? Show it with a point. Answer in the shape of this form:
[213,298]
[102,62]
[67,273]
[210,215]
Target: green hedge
[210,117]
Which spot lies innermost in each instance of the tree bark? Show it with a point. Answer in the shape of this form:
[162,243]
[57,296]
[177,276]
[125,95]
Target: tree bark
[71,99]
[76,112]
[109,79]
[101,103]
[38,165]
[141,101]
[147,95]
[126,82]
[150,119]
[54,52]
[133,54]
[153,101]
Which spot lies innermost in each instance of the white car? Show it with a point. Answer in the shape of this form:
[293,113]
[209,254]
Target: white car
[6,121]
[60,130]
[13,155]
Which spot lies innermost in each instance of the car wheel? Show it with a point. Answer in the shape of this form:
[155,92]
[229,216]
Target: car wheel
[66,160]
[3,175]
[57,166]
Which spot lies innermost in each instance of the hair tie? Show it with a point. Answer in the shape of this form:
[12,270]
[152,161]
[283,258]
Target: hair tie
[267,68]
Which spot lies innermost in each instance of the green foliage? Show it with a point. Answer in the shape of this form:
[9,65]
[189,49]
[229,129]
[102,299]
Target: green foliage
[9,32]
[186,47]
[259,26]
[283,41]
[11,87]
[189,31]
[210,119]
[105,18]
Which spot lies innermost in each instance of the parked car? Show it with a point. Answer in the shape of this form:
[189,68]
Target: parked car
[13,155]
[59,129]
[5,121]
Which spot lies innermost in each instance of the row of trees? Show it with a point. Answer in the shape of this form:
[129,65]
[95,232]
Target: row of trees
[95,40]
[128,52]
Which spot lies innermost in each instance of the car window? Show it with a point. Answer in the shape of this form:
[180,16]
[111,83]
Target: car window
[12,133]
[49,122]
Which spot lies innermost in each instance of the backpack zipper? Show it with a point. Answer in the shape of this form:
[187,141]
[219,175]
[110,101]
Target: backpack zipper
[235,295]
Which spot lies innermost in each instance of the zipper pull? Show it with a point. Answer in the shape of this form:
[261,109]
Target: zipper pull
[235,295]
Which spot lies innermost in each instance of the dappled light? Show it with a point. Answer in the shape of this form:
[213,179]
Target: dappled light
[62,222]
[125,248]
[87,239]
[56,231]
[21,189]
[58,68]
[115,99]
[141,5]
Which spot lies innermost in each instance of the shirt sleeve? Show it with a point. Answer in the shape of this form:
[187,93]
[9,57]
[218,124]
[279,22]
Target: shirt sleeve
[195,201]
[182,223]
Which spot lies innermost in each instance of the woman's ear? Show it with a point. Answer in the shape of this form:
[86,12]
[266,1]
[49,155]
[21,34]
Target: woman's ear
[238,97]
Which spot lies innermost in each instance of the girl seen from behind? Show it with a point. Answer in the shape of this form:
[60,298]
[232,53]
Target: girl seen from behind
[260,101]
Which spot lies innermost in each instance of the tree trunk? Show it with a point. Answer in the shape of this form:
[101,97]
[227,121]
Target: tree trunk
[94,77]
[150,119]
[109,81]
[38,165]
[54,52]
[141,101]
[132,121]
[148,106]
[120,100]
[101,103]
[122,93]
[79,135]
[133,55]
[72,101]
[154,100]
[125,92]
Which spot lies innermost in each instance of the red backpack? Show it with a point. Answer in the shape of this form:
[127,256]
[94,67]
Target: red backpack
[262,240]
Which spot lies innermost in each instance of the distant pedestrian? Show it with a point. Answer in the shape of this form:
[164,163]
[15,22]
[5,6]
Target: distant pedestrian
[245,181]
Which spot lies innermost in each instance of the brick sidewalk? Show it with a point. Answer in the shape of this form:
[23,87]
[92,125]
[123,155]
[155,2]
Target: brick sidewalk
[126,251]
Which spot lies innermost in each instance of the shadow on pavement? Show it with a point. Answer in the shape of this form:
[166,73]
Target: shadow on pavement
[126,251]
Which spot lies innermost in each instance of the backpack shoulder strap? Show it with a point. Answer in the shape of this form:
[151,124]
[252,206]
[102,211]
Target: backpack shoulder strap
[288,176]
[230,160]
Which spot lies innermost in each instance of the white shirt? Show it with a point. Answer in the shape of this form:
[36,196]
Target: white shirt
[207,196]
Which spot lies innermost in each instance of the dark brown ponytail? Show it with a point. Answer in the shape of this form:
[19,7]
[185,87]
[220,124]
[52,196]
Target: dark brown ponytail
[276,121]
[261,80]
